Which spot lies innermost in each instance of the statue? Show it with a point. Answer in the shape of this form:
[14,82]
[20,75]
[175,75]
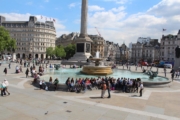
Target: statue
[177,50]
[56,66]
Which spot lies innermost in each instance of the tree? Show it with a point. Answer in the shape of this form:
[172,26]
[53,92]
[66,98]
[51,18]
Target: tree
[59,51]
[6,42]
[50,51]
[70,50]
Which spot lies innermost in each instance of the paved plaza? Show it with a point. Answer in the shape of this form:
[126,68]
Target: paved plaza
[27,102]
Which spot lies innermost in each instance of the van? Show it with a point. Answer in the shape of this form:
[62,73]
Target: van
[168,65]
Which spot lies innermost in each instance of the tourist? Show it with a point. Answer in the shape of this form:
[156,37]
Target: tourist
[141,89]
[40,84]
[172,74]
[108,88]
[5,71]
[20,69]
[50,82]
[177,73]
[72,85]
[17,69]
[67,83]
[103,87]
[165,71]
[56,81]
[27,72]
[3,89]
[7,84]
[9,65]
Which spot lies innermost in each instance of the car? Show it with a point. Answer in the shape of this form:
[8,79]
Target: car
[168,65]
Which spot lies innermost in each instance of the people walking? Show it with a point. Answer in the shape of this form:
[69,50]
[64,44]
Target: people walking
[6,84]
[165,71]
[141,89]
[172,74]
[5,71]
[9,65]
[3,88]
[27,72]
[109,89]
[103,89]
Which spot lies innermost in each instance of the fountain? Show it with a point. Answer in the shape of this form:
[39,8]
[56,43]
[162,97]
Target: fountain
[97,69]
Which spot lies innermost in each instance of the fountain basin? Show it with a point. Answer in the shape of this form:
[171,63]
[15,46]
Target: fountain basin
[97,70]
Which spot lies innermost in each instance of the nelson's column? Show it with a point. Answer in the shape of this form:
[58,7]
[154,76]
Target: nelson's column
[83,42]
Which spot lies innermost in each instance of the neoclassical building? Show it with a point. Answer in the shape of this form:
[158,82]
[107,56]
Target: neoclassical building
[65,39]
[168,45]
[147,51]
[32,37]
[97,44]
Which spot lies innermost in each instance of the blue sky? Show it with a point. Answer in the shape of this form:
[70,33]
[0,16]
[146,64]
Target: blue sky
[117,20]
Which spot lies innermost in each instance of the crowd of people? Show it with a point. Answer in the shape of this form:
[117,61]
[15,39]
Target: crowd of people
[122,84]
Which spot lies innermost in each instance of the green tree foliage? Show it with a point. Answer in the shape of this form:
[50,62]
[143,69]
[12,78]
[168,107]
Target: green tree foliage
[70,50]
[59,51]
[50,51]
[6,42]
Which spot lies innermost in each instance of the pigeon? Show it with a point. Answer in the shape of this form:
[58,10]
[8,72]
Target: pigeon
[46,113]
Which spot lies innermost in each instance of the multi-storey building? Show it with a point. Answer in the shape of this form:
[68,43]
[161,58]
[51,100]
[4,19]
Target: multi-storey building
[107,49]
[144,40]
[32,37]
[65,40]
[148,51]
[168,45]
[124,53]
[137,52]
[97,45]
[110,50]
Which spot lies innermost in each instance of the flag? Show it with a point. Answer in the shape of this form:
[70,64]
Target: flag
[41,17]
[164,29]
[54,20]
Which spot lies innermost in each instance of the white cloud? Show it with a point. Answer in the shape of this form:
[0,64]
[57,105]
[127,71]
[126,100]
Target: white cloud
[60,28]
[165,8]
[95,8]
[72,5]
[115,25]
[119,9]
[117,1]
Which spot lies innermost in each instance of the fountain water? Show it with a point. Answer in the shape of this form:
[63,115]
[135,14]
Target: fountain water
[97,69]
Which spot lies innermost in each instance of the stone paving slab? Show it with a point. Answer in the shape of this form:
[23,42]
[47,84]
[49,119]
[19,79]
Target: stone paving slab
[26,102]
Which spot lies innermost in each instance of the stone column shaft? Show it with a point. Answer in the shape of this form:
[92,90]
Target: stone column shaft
[84,12]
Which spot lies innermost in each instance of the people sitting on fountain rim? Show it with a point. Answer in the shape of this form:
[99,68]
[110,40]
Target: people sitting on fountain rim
[123,84]
[41,70]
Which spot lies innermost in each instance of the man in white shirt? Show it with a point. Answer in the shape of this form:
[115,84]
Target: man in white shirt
[141,89]
[6,84]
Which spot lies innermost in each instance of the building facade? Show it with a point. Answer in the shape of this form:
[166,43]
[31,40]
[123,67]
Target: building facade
[32,37]
[97,45]
[147,51]
[65,40]
[168,45]
[107,49]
